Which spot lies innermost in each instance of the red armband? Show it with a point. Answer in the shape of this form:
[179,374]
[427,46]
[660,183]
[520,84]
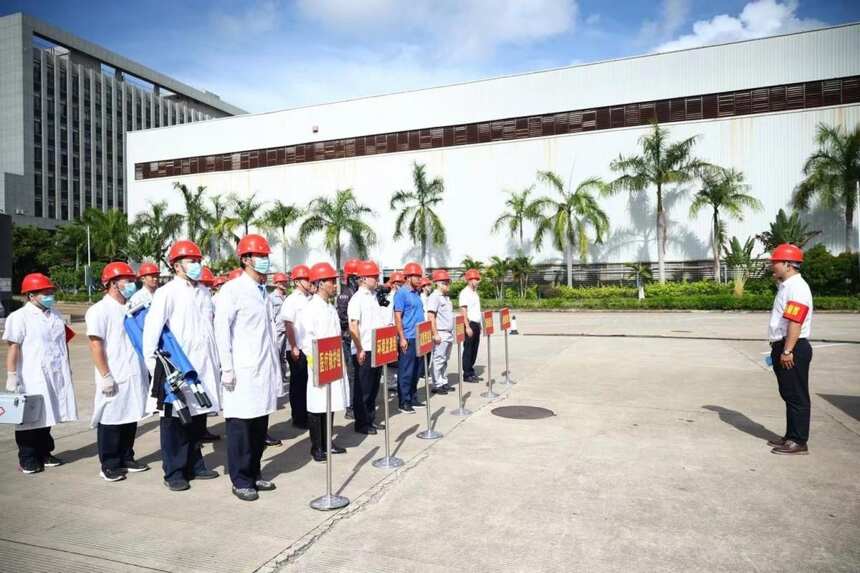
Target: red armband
[795,311]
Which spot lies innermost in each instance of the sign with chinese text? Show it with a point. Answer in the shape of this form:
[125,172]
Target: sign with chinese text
[384,346]
[424,344]
[459,329]
[505,318]
[488,323]
[328,360]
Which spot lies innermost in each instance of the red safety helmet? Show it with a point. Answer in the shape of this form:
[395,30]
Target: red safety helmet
[787,252]
[256,244]
[34,282]
[183,249]
[368,269]
[147,269]
[397,277]
[219,280]
[322,271]
[425,282]
[117,270]
[301,272]
[207,277]
[472,274]
[234,274]
[280,278]
[441,275]
[412,269]
[351,267]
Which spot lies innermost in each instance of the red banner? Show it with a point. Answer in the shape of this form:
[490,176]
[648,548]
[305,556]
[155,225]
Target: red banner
[328,360]
[384,346]
[505,318]
[459,329]
[488,323]
[424,344]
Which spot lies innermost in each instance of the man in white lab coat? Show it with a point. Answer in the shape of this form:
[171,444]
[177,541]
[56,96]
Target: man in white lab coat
[37,365]
[148,274]
[320,320]
[120,375]
[289,316]
[184,306]
[250,368]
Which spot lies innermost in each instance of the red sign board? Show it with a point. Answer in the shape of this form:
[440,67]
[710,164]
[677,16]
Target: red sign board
[328,360]
[425,338]
[459,328]
[384,346]
[488,322]
[505,318]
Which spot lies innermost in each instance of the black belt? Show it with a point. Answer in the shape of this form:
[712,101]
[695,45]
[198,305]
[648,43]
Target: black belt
[782,341]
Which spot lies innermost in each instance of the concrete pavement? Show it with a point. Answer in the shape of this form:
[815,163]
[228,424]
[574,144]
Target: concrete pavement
[654,461]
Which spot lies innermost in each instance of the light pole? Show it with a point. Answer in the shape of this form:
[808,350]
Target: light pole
[89,269]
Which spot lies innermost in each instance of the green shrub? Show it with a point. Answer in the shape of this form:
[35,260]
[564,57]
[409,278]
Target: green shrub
[683,302]
[828,274]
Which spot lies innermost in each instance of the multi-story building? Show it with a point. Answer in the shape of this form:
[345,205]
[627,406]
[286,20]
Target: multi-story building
[65,108]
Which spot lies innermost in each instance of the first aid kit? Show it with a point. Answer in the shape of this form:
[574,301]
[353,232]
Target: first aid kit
[19,408]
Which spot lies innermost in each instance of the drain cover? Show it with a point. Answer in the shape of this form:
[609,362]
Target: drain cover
[523,412]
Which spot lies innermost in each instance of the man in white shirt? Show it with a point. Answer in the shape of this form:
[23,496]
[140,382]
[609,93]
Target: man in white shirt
[470,307]
[250,366]
[148,274]
[289,316]
[184,305]
[788,331]
[440,311]
[365,315]
[120,376]
[37,365]
[318,320]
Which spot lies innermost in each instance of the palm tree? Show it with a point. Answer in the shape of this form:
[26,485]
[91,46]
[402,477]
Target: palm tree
[424,225]
[640,272]
[723,190]
[73,238]
[521,267]
[661,163]
[786,229]
[279,217]
[343,215]
[833,175]
[152,232]
[570,217]
[470,263]
[245,210]
[520,210]
[497,271]
[220,228]
[108,232]
[739,257]
[194,210]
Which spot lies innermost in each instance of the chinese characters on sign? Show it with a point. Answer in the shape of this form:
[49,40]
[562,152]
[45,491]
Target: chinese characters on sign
[488,322]
[460,328]
[425,338]
[328,360]
[384,346]
[505,318]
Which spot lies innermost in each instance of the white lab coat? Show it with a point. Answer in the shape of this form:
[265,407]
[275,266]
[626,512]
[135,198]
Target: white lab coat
[319,320]
[140,298]
[245,334]
[106,319]
[43,364]
[186,309]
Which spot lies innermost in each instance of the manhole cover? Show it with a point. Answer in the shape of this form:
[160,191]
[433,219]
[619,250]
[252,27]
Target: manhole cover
[523,412]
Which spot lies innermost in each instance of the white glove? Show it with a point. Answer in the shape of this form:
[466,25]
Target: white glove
[228,380]
[107,385]
[12,383]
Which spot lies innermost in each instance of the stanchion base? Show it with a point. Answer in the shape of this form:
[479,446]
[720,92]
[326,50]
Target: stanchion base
[329,502]
[461,412]
[429,434]
[508,379]
[490,395]
[387,463]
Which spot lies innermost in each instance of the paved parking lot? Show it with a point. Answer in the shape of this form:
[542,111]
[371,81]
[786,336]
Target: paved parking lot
[654,460]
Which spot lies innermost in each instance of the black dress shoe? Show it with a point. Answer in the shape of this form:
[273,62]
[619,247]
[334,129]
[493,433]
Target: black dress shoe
[318,455]
[265,485]
[379,426]
[370,431]
[777,443]
[335,449]
[205,474]
[471,379]
[209,437]
[439,390]
[270,441]
[791,448]
[418,404]
[176,484]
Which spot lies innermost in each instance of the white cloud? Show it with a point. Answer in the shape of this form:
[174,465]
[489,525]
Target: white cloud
[673,15]
[758,19]
[257,17]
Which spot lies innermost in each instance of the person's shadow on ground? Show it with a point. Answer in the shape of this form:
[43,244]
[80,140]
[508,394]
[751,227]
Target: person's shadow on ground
[742,422]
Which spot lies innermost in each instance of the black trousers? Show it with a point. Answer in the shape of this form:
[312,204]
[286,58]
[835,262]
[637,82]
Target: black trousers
[318,431]
[794,389]
[180,447]
[299,388]
[246,440]
[470,349]
[116,444]
[34,446]
[366,390]
[351,370]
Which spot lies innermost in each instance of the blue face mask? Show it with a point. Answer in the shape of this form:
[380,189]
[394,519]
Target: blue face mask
[194,270]
[47,300]
[129,289]
[262,264]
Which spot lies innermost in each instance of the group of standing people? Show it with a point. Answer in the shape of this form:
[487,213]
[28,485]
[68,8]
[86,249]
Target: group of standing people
[240,340]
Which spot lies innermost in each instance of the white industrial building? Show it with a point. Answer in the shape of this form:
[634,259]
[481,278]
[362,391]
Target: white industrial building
[754,104]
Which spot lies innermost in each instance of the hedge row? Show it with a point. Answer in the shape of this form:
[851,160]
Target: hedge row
[682,302]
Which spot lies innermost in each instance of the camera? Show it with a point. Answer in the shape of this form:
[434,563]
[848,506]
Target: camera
[382,295]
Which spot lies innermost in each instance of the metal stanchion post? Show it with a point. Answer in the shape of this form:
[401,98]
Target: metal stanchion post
[461,411]
[388,462]
[489,394]
[328,501]
[508,379]
[429,433]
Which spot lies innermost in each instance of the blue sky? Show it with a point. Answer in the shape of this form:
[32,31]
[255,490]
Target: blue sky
[275,54]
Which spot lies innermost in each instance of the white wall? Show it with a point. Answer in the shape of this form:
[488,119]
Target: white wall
[770,149]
